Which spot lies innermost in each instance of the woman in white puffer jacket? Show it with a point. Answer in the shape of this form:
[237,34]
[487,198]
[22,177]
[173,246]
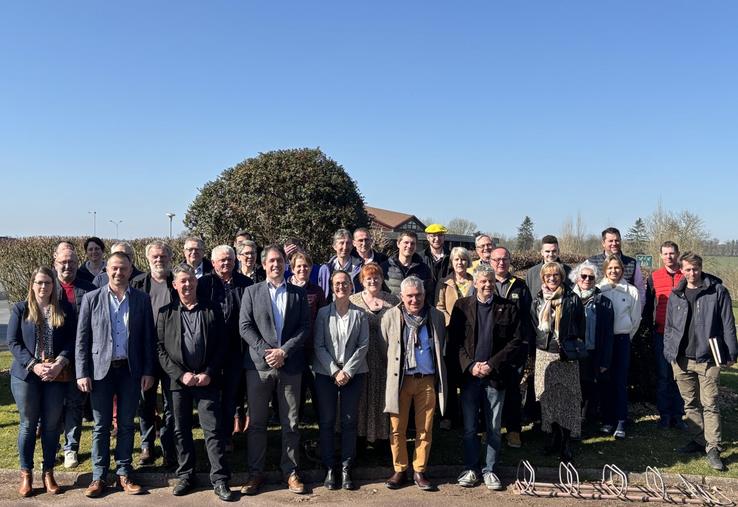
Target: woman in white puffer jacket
[627,310]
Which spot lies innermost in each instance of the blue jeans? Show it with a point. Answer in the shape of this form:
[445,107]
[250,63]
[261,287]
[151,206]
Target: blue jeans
[74,406]
[37,400]
[668,400]
[119,383]
[476,393]
[328,392]
[615,390]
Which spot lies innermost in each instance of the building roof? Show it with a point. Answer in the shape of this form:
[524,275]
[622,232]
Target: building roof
[390,219]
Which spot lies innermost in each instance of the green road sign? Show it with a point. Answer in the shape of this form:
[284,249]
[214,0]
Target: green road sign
[645,260]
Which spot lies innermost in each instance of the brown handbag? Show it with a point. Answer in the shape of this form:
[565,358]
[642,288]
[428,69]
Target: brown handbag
[67,373]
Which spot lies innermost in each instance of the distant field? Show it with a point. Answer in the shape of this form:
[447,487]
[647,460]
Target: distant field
[714,262]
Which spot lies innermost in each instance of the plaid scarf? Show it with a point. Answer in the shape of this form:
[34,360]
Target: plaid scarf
[413,324]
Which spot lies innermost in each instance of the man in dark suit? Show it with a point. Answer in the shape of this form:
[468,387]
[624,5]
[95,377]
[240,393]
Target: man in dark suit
[71,289]
[485,338]
[274,321]
[115,355]
[157,283]
[191,351]
[224,286]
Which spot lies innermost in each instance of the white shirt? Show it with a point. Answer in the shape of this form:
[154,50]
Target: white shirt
[278,295]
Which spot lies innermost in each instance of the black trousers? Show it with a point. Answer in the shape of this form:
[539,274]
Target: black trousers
[209,412]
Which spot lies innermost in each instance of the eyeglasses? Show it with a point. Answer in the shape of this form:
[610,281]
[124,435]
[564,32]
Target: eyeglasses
[486,246]
[341,284]
[43,284]
[586,277]
[501,259]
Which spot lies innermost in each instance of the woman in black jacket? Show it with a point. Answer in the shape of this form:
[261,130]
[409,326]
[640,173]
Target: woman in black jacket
[41,333]
[558,317]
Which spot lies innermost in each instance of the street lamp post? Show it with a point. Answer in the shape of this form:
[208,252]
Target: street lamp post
[94,222]
[116,223]
[171,216]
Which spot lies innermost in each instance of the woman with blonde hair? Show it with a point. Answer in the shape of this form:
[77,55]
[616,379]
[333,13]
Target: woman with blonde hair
[626,319]
[558,317]
[41,334]
[457,284]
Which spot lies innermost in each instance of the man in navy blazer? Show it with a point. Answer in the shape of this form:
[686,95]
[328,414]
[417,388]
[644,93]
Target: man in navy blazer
[274,321]
[115,355]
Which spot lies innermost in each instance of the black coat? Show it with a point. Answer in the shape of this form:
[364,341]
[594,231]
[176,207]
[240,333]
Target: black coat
[169,344]
[571,326]
[508,346]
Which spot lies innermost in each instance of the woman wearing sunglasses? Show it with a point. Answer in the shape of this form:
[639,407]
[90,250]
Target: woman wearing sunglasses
[598,313]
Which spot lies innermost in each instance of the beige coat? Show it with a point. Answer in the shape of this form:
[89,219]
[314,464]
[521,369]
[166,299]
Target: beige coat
[447,295]
[392,325]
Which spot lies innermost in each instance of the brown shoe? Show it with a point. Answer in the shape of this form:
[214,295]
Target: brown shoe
[50,484]
[95,489]
[146,457]
[422,482]
[26,485]
[253,485]
[396,480]
[294,484]
[127,485]
[238,424]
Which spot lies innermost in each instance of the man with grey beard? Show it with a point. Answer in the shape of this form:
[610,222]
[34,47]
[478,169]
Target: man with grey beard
[158,285]
[71,288]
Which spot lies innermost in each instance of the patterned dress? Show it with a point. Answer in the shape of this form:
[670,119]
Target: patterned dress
[557,388]
[373,423]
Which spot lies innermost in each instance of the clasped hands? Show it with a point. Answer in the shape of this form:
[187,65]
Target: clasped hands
[341,378]
[47,372]
[274,358]
[481,369]
[195,379]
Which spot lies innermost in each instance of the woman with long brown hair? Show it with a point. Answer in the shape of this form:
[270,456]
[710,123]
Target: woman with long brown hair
[41,334]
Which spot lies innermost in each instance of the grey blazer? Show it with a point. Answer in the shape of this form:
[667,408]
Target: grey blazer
[256,324]
[327,345]
[94,346]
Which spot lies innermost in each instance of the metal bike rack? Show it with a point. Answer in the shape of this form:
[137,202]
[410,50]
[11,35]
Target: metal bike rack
[614,485]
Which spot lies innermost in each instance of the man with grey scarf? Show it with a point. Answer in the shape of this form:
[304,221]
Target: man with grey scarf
[416,373]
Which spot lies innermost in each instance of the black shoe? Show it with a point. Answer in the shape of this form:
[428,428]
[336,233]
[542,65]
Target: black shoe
[713,458]
[331,480]
[692,447]
[348,482]
[182,487]
[223,491]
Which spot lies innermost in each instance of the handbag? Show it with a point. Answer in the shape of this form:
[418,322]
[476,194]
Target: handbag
[573,350]
[66,375]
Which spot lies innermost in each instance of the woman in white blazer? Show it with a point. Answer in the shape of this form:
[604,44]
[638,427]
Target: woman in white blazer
[341,342]
[627,317]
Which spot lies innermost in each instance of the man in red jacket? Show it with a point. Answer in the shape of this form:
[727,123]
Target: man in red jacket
[658,287]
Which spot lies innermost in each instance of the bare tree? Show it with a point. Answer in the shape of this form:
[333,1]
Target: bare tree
[461,226]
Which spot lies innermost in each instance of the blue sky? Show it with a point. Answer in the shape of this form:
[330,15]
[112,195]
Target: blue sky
[486,110]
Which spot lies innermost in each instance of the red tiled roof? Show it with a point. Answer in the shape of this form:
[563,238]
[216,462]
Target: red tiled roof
[389,219]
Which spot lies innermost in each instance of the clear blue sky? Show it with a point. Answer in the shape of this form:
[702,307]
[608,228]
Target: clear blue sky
[485,109]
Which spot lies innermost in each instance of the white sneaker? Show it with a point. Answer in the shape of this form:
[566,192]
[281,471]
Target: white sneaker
[70,459]
[492,481]
[468,479]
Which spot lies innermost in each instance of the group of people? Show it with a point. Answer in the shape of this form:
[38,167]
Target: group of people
[435,331]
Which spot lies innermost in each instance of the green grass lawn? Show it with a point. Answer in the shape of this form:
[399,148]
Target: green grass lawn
[644,445]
